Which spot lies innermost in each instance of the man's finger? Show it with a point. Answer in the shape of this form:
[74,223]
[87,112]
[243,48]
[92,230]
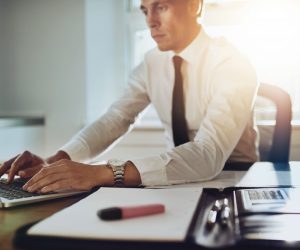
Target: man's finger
[22,159]
[45,172]
[5,166]
[57,186]
[35,186]
[29,172]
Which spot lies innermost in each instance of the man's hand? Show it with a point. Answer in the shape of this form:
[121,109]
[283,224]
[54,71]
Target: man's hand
[24,165]
[27,164]
[58,172]
[69,175]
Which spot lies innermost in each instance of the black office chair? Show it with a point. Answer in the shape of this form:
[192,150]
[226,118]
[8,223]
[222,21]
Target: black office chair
[279,147]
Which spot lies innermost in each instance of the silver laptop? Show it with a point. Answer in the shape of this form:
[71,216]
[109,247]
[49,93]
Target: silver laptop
[13,195]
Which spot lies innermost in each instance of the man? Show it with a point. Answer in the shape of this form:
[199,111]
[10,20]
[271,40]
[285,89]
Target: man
[203,91]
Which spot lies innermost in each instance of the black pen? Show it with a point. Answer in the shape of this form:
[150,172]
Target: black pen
[212,214]
[225,212]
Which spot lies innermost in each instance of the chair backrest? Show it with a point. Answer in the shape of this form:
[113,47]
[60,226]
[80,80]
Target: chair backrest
[280,146]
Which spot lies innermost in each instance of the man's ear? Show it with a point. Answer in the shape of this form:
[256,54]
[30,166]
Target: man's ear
[195,7]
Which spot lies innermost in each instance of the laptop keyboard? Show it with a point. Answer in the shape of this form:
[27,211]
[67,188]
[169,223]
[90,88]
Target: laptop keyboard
[14,190]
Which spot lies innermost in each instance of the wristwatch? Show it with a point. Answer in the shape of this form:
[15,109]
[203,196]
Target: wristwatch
[118,168]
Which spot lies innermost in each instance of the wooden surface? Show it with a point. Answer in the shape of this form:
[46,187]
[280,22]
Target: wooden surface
[13,218]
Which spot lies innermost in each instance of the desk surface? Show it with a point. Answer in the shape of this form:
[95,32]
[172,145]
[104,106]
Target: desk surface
[13,218]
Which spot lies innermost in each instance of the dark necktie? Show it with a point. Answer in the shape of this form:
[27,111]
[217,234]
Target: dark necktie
[179,125]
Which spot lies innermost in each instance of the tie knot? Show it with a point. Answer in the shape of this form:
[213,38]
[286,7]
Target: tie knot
[177,60]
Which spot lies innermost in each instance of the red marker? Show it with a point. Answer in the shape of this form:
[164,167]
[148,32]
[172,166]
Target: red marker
[118,213]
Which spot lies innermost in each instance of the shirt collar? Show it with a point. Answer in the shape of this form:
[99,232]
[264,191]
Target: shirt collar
[191,53]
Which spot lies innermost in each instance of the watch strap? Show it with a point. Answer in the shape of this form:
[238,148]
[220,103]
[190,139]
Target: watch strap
[118,168]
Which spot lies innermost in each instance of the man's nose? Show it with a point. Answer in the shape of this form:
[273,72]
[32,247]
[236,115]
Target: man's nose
[152,20]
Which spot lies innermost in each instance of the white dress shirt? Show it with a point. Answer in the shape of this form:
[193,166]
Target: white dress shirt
[220,86]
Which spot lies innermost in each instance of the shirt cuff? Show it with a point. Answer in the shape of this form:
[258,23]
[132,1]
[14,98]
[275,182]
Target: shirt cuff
[152,170]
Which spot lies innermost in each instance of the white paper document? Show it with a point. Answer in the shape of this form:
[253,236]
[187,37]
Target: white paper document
[81,221]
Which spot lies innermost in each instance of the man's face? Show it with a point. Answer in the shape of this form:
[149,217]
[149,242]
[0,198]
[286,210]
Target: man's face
[169,22]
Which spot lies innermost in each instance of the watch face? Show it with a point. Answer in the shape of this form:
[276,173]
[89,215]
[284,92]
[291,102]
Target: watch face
[116,162]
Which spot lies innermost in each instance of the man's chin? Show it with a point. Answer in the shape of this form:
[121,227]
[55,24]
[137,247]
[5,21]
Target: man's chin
[163,48]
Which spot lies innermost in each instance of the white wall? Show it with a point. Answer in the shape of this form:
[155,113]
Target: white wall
[44,54]
[63,59]
[105,54]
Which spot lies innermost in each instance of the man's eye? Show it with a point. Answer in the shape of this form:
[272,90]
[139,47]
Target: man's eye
[162,8]
[144,11]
